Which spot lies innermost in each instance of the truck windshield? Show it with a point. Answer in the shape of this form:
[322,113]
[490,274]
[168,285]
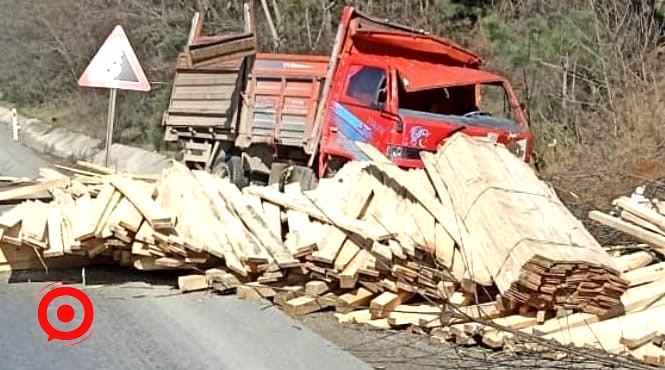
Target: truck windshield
[484,104]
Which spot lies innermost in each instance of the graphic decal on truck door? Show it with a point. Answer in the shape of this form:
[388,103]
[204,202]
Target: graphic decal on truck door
[419,136]
[350,125]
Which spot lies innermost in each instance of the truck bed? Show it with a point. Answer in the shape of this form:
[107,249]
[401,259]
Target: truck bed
[280,101]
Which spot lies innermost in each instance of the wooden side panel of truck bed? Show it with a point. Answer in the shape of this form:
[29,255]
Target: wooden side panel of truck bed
[207,86]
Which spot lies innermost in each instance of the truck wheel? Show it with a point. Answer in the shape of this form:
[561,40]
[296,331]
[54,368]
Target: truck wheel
[236,172]
[303,175]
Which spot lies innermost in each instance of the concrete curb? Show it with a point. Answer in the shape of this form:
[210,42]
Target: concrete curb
[66,144]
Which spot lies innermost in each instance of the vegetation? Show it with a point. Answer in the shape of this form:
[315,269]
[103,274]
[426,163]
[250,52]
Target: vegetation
[590,71]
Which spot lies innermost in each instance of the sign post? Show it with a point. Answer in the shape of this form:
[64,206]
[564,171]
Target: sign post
[115,66]
[109,124]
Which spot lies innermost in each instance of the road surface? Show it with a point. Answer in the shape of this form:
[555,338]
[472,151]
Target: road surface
[141,322]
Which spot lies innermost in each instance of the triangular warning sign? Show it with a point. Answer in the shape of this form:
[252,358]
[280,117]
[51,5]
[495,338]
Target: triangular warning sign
[115,66]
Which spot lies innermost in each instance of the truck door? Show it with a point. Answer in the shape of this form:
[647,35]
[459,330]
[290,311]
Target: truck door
[360,113]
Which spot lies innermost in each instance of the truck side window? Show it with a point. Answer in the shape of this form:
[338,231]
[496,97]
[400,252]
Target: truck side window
[367,86]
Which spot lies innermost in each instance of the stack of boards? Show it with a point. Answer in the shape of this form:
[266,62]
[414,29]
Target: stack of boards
[473,236]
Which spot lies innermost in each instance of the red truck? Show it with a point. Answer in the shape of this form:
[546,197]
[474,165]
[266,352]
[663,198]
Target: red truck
[270,116]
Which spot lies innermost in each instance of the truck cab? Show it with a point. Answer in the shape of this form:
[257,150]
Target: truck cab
[404,92]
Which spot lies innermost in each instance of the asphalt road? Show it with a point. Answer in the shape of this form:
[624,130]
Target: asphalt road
[17,160]
[141,321]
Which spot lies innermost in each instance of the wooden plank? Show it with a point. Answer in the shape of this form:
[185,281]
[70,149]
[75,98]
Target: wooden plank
[192,283]
[364,229]
[634,300]
[346,255]
[644,296]
[655,240]
[332,242]
[84,228]
[96,168]
[35,216]
[304,305]
[296,221]
[254,202]
[645,274]
[354,317]
[221,280]
[316,287]
[12,217]
[151,211]
[442,212]
[140,249]
[25,192]
[224,231]
[650,215]
[130,218]
[102,229]
[637,220]
[255,223]
[70,218]
[483,181]
[607,334]
[92,211]
[349,276]
[348,302]
[381,306]
[632,261]
[404,315]
[56,245]
[273,218]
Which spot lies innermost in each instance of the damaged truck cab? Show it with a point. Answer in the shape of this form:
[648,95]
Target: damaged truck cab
[405,91]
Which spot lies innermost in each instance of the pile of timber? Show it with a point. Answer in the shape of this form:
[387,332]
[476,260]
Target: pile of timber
[474,236]
[638,216]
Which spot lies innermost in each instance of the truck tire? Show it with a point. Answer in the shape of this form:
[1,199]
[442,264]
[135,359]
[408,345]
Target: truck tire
[300,174]
[230,168]
[236,173]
